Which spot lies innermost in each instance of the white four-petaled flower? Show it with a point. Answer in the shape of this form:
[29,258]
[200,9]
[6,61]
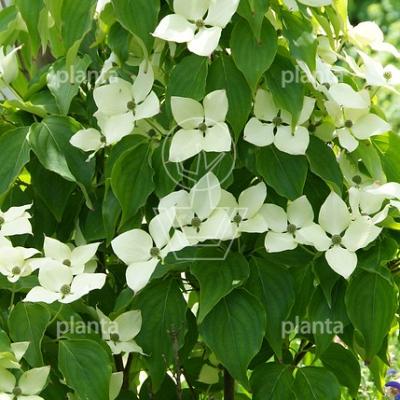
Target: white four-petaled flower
[15,221]
[198,23]
[203,126]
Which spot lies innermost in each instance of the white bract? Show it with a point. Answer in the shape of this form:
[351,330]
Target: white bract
[339,235]
[203,126]
[15,262]
[28,387]
[11,353]
[120,105]
[198,23]
[285,227]
[8,66]
[120,332]
[354,124]
[15,221]
[142,251]
[57,283]
[273,125]
[247,214]
[75,258]
[198,213]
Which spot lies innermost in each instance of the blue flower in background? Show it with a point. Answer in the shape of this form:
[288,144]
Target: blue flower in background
[394,389]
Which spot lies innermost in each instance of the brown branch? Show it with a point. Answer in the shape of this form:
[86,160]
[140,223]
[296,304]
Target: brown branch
[229,386]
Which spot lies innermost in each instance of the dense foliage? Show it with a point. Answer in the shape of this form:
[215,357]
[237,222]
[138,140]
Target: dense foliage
[199,199]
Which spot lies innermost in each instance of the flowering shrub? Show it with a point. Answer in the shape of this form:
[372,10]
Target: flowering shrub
[199,199]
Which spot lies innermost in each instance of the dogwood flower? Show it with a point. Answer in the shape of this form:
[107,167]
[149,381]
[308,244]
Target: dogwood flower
[369,34]
[190,24]
[15,221]
[285,227]
[203,126]
[15,262]
[28,387]
[120,332]
[75,258]
[57,283]
[273,125]
[338,235]
[247,213]
[120,105]
[8,66]
[142,251]
[11,353]
[355,124]
[198,213]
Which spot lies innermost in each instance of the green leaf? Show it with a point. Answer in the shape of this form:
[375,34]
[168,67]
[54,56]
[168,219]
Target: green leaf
[27,323]
[344,364]
[223,74]
[323,163]
[314,383]
[285,173]
[86,368]
[64,81]
[253,56]
[188,78]
[284,82]
[273,382]
[132,179]
[391,157]
[302,40]
[13,156]
[50,142]
[274,287]
[139,17]
[111,211]
[77,19]
[253,11]
[217,279]
[234,330]
[164,325]
[368,154]
[371,302]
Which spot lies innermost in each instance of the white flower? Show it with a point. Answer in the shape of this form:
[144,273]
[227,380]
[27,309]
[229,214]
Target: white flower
[273,125]
[246,214]
[29,385]
[120,332]
[120,105]
[11,353]
[338,235]
[15,262]
[203,126]
[368,34]
[354,124]
[76,258]
[190,24]
[8,66]
[345,96]
[57,283]
[15,221]
[198,213]
[323,74]
[142,251]
[284,227]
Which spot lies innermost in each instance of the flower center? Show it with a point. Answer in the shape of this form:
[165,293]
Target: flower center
[388,75]
[103,139]
[155,252]
[312,128]
[202,128]
[237,219]
[292,228]
[200,23]
[152,133]
[348,124]
[67,263]
[17,391]
[356,179]
[196,222]
[16,270]
[277,121]
[336,239]
[114,337]
[65,289]
[131,105]
[327,85]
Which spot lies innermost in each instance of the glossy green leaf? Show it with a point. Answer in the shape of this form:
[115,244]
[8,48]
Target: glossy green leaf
[253,11]
[237,324]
